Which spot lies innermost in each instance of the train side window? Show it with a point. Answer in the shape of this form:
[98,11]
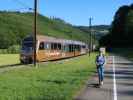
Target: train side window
[66,48]
[59,46]
[54,46]
[83,46]
[41,46]
[79,48]
[71,49]
[46,46]
[76,48]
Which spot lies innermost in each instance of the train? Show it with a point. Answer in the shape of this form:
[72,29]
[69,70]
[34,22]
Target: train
[50,48]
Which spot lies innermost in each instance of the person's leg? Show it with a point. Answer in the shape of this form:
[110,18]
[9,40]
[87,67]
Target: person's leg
[99,74]
[102,74]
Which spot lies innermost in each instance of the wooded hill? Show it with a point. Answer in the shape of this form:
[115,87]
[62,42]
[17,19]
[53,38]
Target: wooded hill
[15,26]
[121,31]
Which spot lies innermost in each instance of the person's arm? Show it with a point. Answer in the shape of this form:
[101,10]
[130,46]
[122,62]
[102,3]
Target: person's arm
[104,60]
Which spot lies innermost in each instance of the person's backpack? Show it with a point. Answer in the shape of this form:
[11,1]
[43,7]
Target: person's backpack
[100,60]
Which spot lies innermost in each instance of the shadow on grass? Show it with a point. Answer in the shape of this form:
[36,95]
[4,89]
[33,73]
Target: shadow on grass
[53,81]
[10,65]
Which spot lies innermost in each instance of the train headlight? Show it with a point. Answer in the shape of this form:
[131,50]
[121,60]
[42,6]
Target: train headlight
[23,57]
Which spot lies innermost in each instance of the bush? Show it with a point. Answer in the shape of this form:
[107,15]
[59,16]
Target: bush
[13,49]
[3,51]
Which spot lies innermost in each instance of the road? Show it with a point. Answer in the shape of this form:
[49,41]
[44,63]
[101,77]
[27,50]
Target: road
[118,82]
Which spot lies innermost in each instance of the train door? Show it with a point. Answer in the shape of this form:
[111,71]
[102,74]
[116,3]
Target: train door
[41,52]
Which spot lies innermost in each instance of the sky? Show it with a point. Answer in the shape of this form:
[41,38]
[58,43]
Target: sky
[75,12]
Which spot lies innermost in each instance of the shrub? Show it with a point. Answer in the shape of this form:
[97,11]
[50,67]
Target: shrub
[13,49]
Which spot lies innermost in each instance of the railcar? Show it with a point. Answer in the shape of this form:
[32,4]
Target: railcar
[50,48]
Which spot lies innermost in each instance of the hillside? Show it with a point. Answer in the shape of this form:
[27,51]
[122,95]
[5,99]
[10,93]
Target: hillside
[14,26]
[98,30]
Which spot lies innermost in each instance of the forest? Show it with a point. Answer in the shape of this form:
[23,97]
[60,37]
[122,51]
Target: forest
[121,29]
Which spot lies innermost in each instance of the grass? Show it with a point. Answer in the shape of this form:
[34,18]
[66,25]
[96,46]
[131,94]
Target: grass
[9,59]
[50,81]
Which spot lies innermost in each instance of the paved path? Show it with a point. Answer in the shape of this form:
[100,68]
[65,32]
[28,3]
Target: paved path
[118,82]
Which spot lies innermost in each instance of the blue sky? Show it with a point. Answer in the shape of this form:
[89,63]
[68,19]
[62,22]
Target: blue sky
[76,12]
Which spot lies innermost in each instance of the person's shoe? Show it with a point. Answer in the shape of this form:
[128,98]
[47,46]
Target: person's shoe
[101,82]
[99,86]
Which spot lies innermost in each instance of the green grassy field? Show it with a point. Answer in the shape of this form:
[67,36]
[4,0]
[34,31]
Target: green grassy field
[50,81]
[9,59]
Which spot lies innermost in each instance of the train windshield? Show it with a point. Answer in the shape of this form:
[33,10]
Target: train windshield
[27,45]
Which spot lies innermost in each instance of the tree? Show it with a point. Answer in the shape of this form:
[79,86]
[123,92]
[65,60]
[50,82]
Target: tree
[121,31]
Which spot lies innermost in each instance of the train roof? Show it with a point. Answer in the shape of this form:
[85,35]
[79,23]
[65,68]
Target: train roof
[55,40]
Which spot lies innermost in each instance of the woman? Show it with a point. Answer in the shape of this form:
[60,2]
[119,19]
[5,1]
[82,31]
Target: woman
[100,61]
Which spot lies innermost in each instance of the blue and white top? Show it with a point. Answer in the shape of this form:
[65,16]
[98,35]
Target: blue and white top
[100,60]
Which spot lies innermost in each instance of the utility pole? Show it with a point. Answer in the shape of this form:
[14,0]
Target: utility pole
[90,40]
[94,40]
[35,30]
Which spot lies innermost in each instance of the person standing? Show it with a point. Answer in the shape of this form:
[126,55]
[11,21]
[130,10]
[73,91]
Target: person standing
[100,61]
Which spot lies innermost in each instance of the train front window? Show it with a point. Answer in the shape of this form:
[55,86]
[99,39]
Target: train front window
[27,46]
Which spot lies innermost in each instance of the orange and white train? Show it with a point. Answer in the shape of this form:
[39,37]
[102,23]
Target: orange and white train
[50,48]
